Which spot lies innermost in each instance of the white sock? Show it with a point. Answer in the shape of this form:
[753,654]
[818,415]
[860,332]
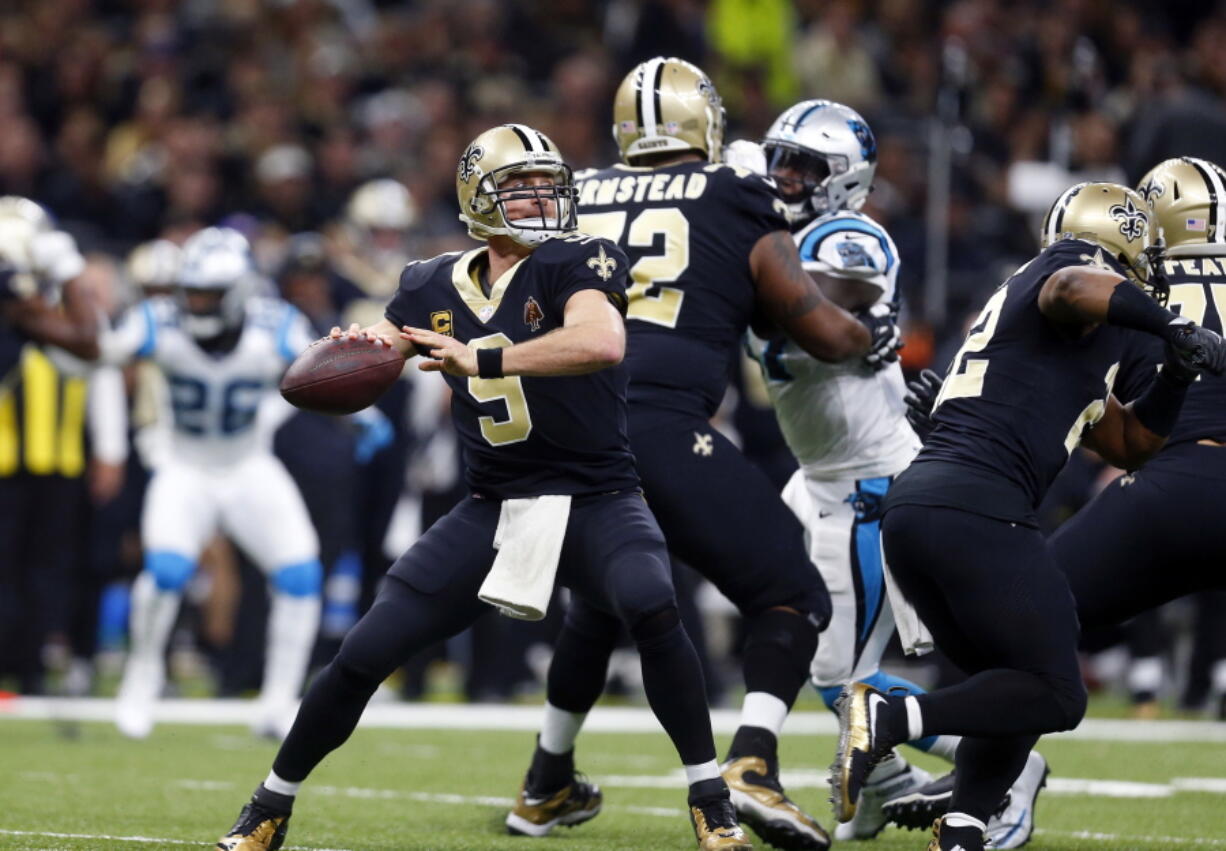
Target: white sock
[149,625]
[560,729]
[963,820]
[273,783]
[292,625]
[702,771]
[761,709]
[915,720]
[945,747]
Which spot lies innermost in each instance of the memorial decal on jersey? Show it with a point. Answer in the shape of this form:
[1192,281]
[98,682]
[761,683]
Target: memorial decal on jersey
[533,314]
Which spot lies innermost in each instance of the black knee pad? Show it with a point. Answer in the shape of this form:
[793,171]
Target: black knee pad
[779,648]
[655,625]
[1071,698]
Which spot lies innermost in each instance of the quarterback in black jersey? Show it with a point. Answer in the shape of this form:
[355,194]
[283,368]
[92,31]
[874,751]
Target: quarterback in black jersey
[529,335]
[1156,534]
[1033,379]
[709,246]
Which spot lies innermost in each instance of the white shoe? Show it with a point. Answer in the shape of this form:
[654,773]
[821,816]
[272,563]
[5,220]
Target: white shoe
[138,694]
[1013,827]
[869,818]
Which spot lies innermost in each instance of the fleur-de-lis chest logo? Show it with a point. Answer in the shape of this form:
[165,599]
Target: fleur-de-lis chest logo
[1132,220]
[603,265]
[468,162]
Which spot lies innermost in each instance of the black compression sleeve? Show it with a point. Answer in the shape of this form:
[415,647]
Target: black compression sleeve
[1130,307]
[1158,408]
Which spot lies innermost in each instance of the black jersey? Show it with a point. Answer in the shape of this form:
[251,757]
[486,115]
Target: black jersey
[688,230]
[1198,291]
[1021,390]
[527,436]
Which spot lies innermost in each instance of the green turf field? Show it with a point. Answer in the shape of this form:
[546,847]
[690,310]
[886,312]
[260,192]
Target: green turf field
[443,789]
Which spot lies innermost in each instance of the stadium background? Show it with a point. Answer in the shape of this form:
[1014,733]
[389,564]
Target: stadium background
[136,120]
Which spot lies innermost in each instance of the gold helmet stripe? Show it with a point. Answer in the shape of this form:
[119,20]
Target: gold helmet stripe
[531,139]
[648,100]
[1217,197]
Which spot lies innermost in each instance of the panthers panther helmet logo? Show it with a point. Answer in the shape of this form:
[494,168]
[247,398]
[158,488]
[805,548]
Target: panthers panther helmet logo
[468,162]
[1133,221]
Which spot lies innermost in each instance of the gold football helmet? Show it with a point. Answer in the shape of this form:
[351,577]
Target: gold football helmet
[1111,216]
[1187,197]
[495,156]
[667,104]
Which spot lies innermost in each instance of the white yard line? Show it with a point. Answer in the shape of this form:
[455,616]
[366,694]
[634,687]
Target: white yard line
[142,840]
[438,716]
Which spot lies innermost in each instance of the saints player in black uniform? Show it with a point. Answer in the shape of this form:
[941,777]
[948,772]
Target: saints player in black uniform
[528,334]
[1134,547]
[709,246]
[1032,380]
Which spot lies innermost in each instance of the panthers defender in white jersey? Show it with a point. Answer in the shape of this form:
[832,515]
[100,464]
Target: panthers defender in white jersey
[845,423]
[222,350]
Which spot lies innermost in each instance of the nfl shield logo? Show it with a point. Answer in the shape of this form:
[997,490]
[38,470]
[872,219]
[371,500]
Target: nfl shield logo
[486,312]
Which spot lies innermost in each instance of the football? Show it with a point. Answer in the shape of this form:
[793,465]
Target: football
[341,376]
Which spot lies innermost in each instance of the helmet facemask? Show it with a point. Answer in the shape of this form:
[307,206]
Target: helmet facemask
[491,197]
[803,178]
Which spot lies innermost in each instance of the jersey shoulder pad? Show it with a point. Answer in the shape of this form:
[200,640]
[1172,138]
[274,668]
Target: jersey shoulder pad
[418,273]
[847,243]
[575,248]
[1077,252]
[266,311]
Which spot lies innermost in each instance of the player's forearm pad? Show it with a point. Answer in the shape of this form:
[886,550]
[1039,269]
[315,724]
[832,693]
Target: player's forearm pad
[1158,407]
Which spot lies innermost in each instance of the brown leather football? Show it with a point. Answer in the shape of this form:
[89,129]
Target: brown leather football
[341,376]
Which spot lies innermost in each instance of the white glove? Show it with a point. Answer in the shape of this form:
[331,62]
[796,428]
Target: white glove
[747,155]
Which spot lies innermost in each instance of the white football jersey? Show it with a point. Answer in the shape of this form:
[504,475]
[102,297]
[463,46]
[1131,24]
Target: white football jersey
[214,398]
[840,420]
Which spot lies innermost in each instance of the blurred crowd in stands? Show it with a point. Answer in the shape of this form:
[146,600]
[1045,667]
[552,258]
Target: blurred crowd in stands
[327,131]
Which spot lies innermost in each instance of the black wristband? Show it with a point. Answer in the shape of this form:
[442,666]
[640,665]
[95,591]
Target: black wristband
[1130,307]
[1158,407]
[489,363]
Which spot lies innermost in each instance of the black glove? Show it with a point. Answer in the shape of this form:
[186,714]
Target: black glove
[881,320]
[923,396]
[1195,348]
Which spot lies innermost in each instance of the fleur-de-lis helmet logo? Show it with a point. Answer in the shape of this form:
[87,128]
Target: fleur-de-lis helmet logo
[1151,190]
[1132,220]
[468,162]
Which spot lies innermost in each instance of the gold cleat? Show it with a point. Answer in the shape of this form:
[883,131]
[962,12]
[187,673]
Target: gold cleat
[537,815]
[961,838]
[257,829]
[761,803]
[716,827]
[862,745]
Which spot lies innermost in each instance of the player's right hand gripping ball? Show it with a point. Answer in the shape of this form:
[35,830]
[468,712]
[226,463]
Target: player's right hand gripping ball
[340,376]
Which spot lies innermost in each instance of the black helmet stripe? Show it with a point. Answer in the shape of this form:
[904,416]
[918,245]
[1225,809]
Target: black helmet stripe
[1217,197]
[523,136]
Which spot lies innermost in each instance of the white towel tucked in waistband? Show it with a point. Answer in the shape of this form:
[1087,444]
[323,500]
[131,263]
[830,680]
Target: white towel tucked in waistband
[915,638]
[529,543]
